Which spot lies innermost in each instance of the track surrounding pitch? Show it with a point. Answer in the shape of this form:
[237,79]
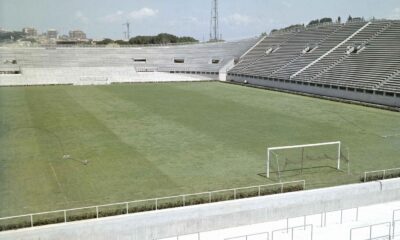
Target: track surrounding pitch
[66,146]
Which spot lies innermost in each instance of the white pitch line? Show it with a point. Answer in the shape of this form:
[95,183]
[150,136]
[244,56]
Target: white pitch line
[58,182]
[394,135]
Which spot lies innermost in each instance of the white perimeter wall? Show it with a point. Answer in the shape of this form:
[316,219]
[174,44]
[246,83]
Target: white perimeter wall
[321,91]
[202,218]
[93,76]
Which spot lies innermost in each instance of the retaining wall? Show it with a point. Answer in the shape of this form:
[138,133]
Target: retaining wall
[374,98]
[201,218]
[93,76]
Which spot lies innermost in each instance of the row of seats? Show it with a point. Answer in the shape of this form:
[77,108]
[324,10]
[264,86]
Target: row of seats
[93,76]
[291,49]
[195,56]
[392,84]
[371,67]
[361,39]
[259,51]
[364,55]
[330,42]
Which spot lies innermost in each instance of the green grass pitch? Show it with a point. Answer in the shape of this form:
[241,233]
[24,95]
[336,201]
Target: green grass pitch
[153,140]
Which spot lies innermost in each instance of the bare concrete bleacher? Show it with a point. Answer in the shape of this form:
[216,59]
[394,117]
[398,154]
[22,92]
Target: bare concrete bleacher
[105,65]
[357,61]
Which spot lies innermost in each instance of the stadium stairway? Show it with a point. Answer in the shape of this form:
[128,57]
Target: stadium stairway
[391,83]
[361,39]
[103,65]
[355,61]
[330,51]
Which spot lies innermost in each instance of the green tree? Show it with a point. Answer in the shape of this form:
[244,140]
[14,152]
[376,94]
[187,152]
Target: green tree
[313,22]
[105,41]
[350,18]
[325,20]
[11,36]
[121,42]
[162,38]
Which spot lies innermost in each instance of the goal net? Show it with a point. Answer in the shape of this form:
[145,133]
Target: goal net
[298,158]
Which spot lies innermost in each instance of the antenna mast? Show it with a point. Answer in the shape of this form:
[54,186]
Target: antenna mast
[127,24]
[214,24]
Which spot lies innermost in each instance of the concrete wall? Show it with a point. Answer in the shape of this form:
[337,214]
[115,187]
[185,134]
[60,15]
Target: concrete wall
[93,76]
[181,221]
[373,98]
[223,72]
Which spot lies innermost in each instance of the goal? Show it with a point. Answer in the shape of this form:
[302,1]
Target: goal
[297,157]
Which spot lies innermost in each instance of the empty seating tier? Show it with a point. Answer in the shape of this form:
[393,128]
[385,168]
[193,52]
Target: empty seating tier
[357,56]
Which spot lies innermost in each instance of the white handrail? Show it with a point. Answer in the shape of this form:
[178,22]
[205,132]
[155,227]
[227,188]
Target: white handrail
[384,171]
[255,45]
[303,182]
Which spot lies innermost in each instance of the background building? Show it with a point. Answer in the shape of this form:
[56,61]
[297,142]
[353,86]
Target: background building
[52,34]
[30,32]
[77,35]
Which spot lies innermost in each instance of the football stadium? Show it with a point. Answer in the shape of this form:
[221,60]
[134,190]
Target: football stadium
[292,135]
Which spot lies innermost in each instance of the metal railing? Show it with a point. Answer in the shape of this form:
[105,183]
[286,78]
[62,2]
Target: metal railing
[291,231]
[369,232]
[395,220]
[288,230]
[246,237]
[384,173]
[181,236]
[324,216]
[98,211]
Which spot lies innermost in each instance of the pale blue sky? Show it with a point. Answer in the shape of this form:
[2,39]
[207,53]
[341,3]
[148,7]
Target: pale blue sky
[238,18]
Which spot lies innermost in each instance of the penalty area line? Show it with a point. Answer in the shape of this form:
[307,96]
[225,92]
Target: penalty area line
[58,182]
[391,136]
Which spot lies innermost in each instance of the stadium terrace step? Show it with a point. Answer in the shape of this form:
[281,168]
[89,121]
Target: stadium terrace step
[327,53]
[390,83]
[339,55]
[371,67]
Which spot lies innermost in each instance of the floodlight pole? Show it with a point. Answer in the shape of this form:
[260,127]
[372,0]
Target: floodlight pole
[127,24]
[214,24]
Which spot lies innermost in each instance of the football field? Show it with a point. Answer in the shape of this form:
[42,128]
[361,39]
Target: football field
[69,146]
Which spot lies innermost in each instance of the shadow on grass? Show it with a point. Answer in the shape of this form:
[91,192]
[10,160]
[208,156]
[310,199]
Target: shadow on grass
[299,172]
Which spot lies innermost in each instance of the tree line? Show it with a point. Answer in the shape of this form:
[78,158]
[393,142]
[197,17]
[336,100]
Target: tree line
[314,22]
[162,38]
[11,36]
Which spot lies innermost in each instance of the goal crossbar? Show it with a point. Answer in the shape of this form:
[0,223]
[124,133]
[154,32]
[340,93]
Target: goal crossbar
[303,146]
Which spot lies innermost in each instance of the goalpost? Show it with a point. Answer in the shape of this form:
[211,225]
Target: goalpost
[302,147]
